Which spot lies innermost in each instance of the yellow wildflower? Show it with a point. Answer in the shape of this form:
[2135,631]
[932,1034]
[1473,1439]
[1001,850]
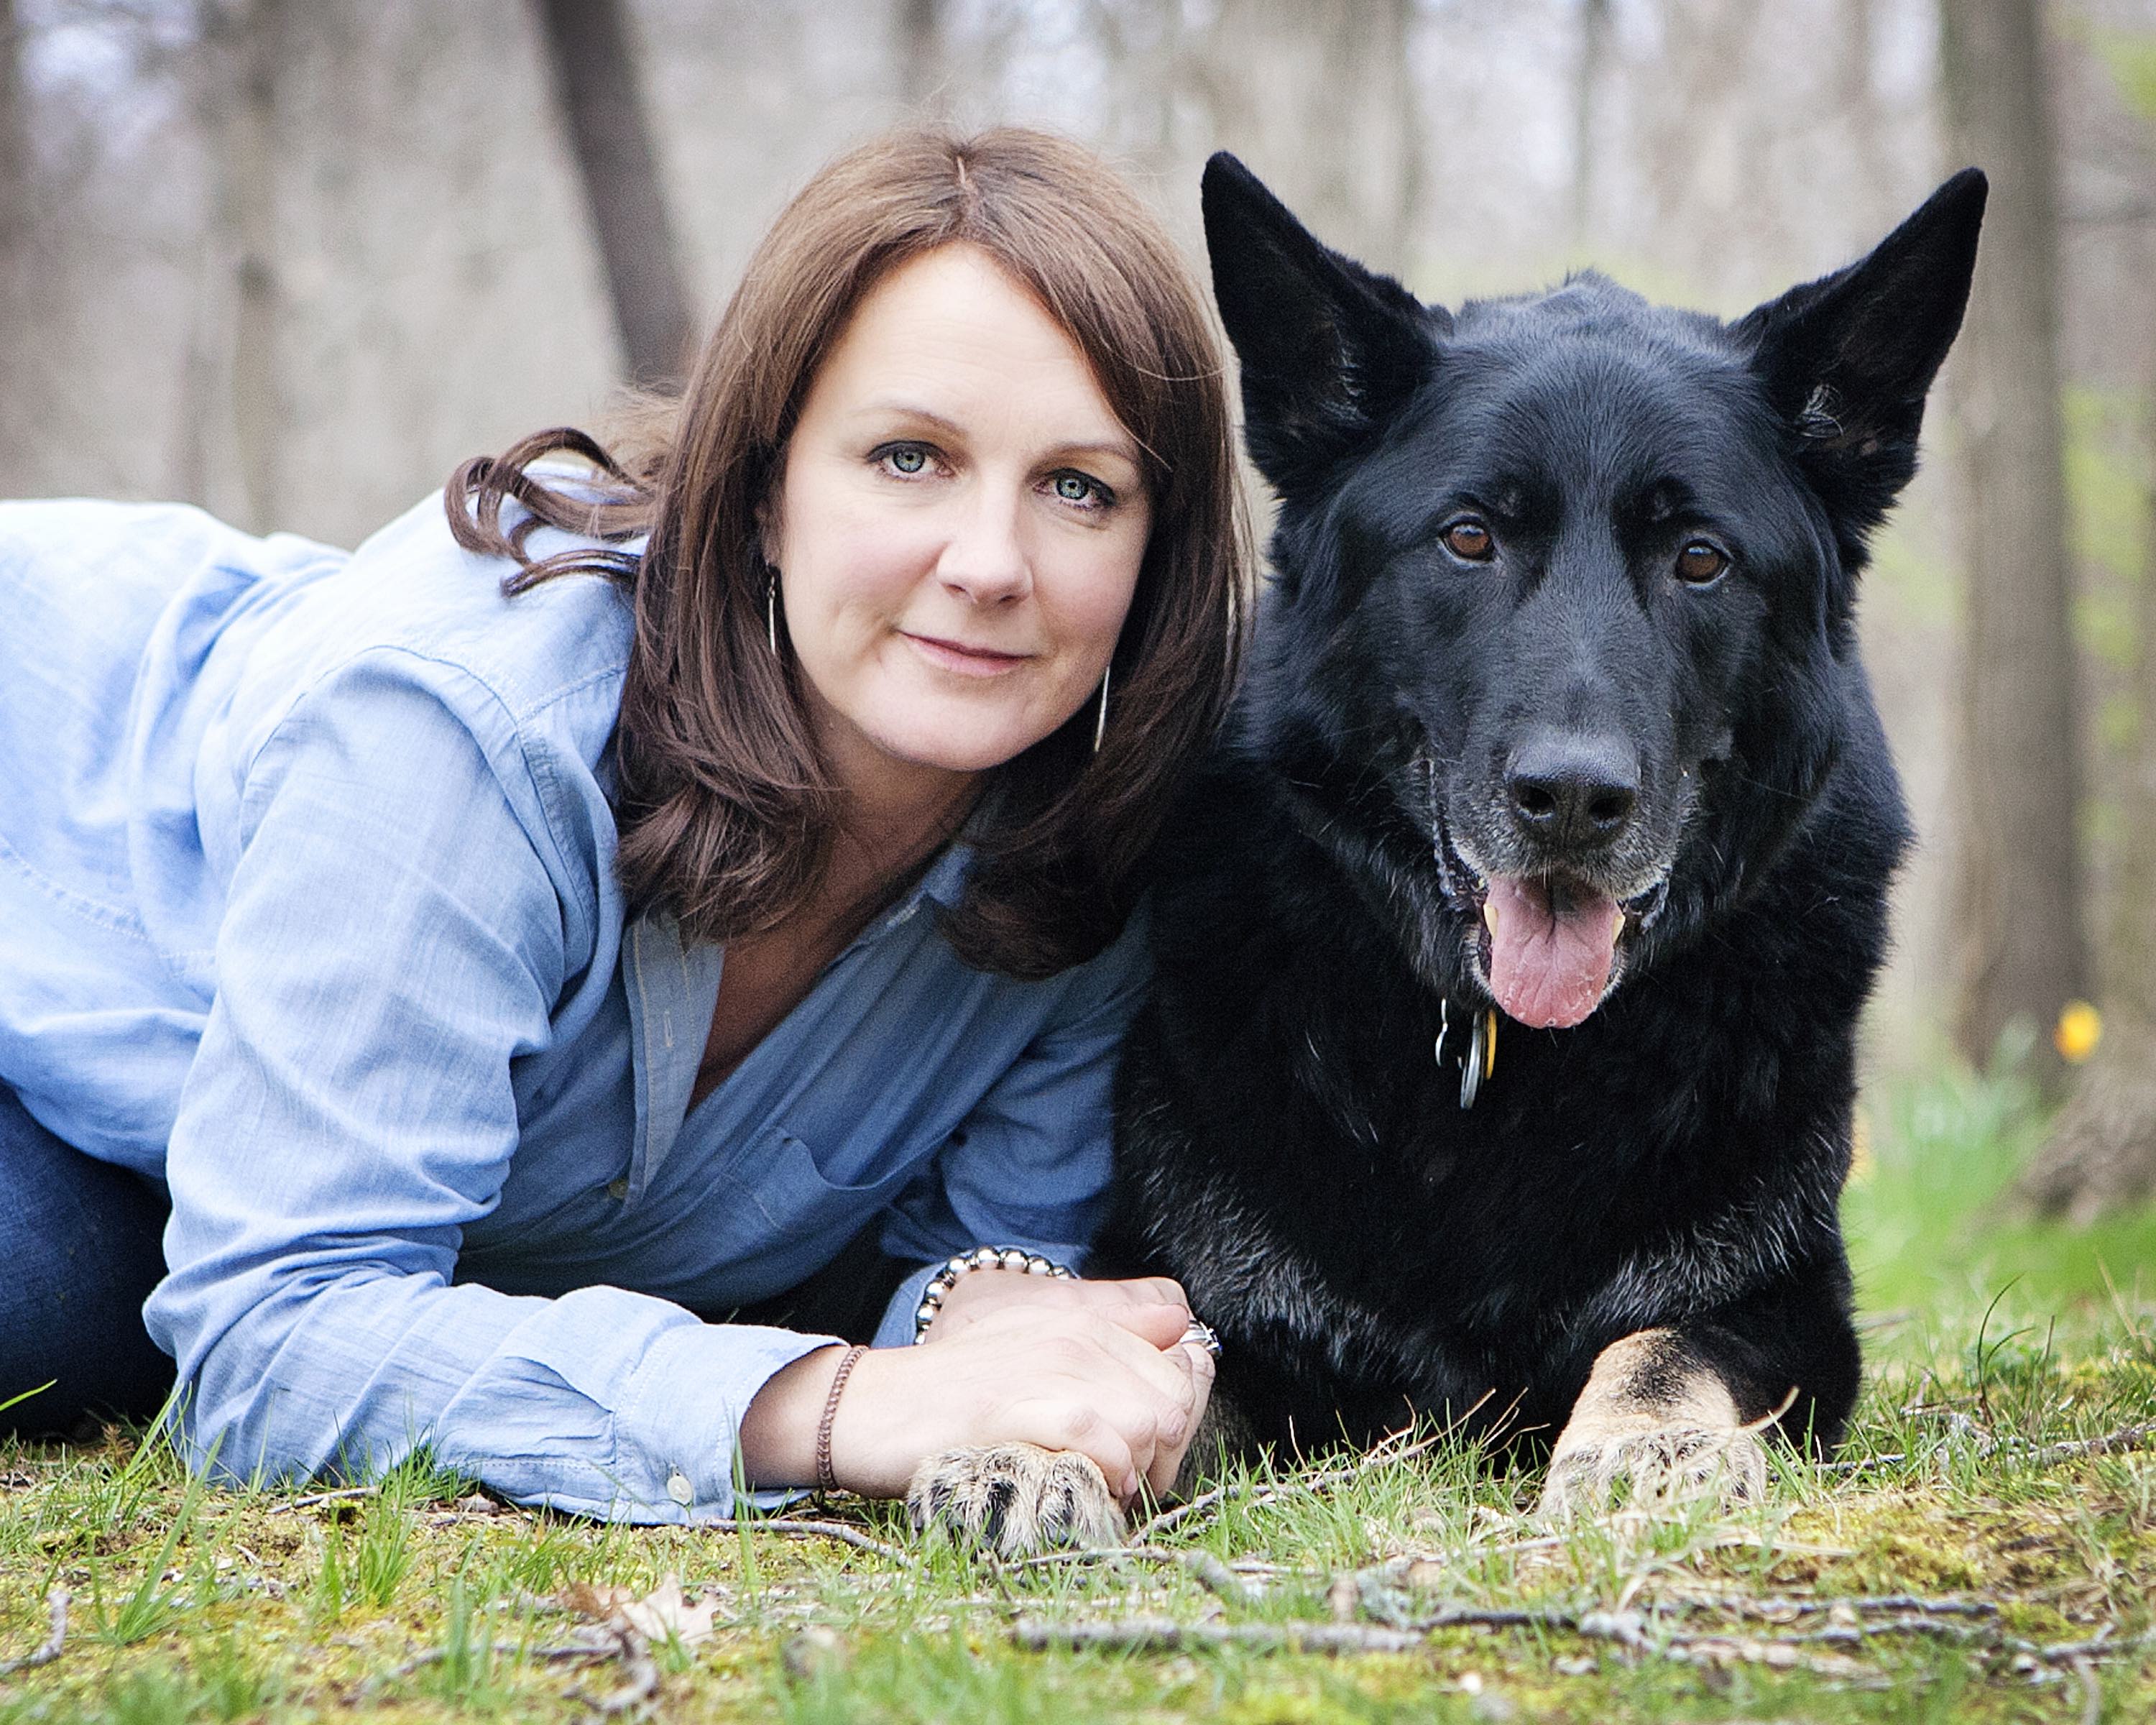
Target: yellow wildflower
[2079,1029]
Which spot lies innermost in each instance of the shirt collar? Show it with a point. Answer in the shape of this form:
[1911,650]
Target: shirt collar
[946,879]
[672,986]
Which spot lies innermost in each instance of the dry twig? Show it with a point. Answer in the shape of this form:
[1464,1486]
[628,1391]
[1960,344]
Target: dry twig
[1215,1577]
[783,1527]
[2105,1644]
[606,1647]
[1164,1635]
[2111,1443]
[1786,1607]
[800,1527]
[640,1679]
[48,1649]
[1626,1630]
[2092,1693]
[1092,1553]
[1985,1445]
[342,1494]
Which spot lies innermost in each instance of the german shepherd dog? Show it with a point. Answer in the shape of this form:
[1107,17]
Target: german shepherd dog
[1500,1056]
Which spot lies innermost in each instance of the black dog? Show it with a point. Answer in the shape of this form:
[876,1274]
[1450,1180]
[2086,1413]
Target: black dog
[1500,1059]
[1557,711]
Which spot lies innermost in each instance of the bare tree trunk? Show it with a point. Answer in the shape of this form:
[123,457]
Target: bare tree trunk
[1318,95]
[1587,79]
[204,412]
[2102,1151]
[595,84]
[1411,140]
[2131,986]
[1703,41]
[227,441]
[18,236]
[2018,897]
[1861,110]
[921,71]
[251,186]
[14,137]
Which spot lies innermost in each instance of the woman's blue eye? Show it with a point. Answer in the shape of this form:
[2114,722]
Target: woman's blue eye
[1076,488]
[908,458]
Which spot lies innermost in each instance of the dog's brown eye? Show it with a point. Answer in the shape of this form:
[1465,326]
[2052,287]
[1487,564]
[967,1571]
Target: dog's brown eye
[1469,539]
[1700,562]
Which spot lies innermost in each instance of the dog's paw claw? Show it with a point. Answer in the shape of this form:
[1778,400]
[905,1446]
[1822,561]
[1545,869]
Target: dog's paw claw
[1665,1465]
[1015,1499]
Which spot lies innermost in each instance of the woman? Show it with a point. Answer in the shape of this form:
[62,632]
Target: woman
[524,942]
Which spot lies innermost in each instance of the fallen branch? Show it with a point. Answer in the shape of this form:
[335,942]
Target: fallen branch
[48,1649]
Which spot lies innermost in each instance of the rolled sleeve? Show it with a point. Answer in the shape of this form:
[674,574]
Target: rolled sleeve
[396,937]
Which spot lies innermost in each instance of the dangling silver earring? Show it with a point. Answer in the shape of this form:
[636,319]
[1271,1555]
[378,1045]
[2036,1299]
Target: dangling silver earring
[771,610]
[1101,721]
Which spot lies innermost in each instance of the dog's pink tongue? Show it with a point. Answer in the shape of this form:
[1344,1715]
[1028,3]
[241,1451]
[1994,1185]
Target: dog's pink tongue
[1549,965]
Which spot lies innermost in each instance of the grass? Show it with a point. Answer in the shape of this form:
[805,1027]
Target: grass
[1995,1341]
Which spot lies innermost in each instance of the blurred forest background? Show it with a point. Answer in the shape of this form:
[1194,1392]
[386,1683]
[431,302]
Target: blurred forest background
[294,258]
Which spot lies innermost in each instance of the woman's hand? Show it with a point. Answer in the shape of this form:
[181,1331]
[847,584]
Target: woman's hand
[1106,1375]
[975,1294]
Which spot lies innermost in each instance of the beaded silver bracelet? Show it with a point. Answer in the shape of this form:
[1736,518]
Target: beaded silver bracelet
[980,1257]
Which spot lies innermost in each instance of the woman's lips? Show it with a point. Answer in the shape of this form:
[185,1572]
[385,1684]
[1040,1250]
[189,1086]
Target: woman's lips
[965,660]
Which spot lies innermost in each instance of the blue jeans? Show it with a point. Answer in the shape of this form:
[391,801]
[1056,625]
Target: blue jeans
[81,1248]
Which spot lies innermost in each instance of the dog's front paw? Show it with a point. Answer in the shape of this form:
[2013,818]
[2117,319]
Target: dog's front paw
[1016,1499]
[1662,1464]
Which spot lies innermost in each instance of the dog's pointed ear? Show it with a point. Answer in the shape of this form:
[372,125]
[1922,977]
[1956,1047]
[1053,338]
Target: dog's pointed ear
[1326,347]
[1847,359]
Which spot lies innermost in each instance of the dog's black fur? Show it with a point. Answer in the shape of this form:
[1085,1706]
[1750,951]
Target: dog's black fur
[1577,706]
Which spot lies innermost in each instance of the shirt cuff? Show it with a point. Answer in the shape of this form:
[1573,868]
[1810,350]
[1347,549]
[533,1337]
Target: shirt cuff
[667,1432]
[896,1329]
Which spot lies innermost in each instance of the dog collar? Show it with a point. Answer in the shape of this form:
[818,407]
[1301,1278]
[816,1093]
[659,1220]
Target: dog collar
[1479,1059]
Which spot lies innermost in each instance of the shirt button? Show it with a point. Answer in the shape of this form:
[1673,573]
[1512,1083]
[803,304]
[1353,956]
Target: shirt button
[678,1488]
[618,1190]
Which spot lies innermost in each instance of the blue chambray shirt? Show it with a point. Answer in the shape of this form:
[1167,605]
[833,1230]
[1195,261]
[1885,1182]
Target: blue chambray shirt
[308,908]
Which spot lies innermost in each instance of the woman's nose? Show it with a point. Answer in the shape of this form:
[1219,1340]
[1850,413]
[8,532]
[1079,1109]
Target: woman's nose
[984,559]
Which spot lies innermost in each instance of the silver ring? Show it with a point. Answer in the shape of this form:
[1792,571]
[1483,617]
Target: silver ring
[1201,1334]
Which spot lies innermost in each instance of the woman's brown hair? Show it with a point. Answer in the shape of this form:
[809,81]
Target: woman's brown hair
[725,806]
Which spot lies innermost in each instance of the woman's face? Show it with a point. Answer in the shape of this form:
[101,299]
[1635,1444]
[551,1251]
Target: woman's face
[958,531]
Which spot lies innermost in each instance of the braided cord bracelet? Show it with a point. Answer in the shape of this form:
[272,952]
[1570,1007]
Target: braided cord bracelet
[827,1478]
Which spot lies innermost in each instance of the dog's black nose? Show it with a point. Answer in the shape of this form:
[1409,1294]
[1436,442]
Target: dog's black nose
[1574,792]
